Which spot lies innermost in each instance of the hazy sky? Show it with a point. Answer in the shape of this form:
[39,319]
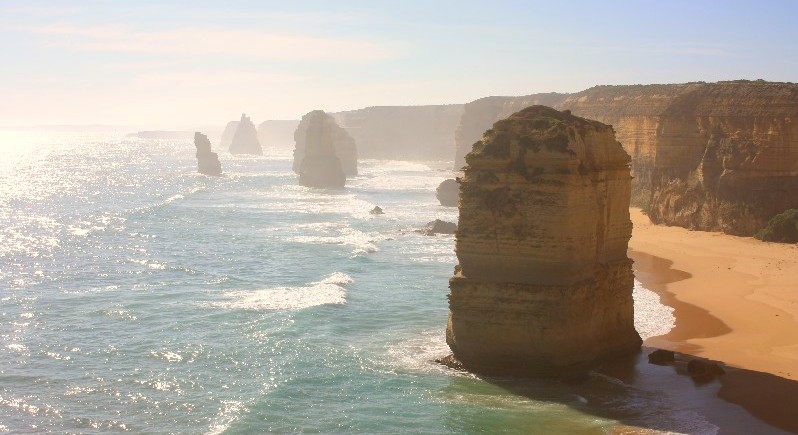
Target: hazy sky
[170,64]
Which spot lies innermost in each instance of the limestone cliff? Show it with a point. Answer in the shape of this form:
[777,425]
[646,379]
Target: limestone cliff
[707,156]
[245,139]
[328,133]
[544,285]
[316,157]
[480,114]
[207,160]
[277,133]
[402,132]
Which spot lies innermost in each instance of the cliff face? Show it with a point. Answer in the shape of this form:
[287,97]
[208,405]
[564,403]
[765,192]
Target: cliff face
[245,139]
[277,133]
[544,284]
[207,160]
[318,129]
[480,114]
[402,132]
[707,156]
[315,156]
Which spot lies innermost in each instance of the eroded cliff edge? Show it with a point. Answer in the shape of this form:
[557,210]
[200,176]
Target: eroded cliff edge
[544,285]
[706,156]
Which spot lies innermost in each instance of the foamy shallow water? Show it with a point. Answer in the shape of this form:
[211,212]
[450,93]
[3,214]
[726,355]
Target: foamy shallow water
[137,295]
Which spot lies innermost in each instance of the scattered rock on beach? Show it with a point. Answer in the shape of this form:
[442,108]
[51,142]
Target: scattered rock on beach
[661,357]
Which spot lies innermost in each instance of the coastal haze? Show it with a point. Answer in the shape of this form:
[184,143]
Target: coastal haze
[448,217]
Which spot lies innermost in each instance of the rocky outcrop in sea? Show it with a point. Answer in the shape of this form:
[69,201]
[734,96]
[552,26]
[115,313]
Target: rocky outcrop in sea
[207,160]
[245,139]
[705,156]
[227,134]
[316,155]
[544,285]
[319,130]
[448,193]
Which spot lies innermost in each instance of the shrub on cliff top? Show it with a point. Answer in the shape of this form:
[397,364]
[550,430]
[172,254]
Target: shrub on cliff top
[782,228]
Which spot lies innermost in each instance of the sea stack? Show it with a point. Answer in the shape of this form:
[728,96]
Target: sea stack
[207,160]
[315,157]
[448,193]
[326,133]
[544,286]
[245,139]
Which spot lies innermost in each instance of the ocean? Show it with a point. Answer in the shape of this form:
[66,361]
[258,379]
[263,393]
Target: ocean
[138,295]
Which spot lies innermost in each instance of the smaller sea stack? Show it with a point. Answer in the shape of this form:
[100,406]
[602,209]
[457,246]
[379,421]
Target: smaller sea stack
[448,193]
[544,285]
[207,160]
[245,139]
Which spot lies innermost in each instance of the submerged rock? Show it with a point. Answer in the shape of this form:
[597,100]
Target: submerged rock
[319,129]
[439,227]
[207,161]
[544,285]
[704,370]
[448,193]
[377,210]
[245,139]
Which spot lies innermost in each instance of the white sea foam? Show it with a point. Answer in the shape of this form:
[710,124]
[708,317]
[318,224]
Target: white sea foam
[166,355]
[362,242]
[652,318]
[230,411]
[328,291]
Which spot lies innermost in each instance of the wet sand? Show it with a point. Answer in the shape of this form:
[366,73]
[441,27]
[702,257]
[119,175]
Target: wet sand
[735,300]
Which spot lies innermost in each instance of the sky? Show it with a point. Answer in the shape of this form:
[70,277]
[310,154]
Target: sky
[173,64]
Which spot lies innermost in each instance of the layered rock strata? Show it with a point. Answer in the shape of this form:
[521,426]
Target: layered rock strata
[705,156]
[544,285]
[320,129]
[448,193]
[245,139]
[207,160]
[480,114]
[315,157]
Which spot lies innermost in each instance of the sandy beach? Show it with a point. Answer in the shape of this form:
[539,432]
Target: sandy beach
[735,298]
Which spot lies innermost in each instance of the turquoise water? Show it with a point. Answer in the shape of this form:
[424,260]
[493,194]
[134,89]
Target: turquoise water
[137,295]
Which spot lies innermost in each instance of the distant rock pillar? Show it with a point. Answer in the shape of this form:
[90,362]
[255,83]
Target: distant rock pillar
[207,161]
[324,153]
[544,285]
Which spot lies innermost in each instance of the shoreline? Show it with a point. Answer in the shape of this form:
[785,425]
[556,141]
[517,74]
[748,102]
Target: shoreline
[735,299]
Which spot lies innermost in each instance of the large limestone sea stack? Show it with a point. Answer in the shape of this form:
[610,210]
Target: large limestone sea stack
[324,154]
[207,160]
[245,139]
[544,286]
